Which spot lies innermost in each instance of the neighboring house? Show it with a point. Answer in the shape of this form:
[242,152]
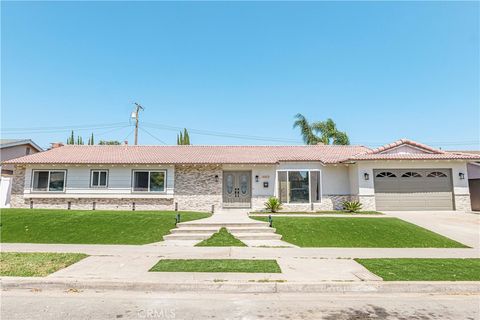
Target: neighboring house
[15,148]
[473,170]
[404,175]
[11,149]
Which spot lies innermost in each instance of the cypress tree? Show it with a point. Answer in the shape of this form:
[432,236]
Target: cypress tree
[186,137]
[71,140]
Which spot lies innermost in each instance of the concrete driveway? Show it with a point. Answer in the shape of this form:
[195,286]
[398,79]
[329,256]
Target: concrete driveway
[460,226]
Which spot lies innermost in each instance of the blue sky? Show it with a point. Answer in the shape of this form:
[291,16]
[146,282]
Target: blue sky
[381,70]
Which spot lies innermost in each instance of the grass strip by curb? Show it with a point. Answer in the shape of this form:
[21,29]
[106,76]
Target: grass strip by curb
[419,269]
[35,264]
[222,238]
[217,265]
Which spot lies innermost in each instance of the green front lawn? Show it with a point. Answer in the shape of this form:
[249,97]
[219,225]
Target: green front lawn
[35,264]
[88,227]
[217,265]
[357,232]
[424,269]
[222,238]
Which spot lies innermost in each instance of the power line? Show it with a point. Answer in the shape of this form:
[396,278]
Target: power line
[151,135]
[110,131]
[128,135]
[218,133]
[62,128]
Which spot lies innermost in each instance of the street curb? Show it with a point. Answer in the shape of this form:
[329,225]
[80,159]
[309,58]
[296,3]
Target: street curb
[469,287]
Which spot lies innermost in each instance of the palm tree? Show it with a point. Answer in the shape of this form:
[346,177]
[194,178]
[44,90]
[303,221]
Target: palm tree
[305,129]
[329,134]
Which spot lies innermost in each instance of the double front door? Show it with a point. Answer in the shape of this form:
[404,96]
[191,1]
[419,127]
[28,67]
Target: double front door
[237,189]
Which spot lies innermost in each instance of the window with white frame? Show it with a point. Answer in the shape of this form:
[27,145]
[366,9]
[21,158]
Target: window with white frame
[299,186]
[149,181]
[49,180]
[99,179]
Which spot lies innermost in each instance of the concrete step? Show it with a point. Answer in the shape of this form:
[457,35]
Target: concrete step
[187,236]
[251,230]
[194,230]
[257,236]
[222,224]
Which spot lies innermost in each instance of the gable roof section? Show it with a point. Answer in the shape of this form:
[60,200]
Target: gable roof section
[406,142]
[74,154]
[427,153]
[6,143]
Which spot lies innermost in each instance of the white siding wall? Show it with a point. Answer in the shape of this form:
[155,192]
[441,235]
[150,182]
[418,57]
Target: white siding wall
[353,178]
[119,179]
[335,180]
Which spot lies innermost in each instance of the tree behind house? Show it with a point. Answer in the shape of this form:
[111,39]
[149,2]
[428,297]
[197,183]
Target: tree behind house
[324,132]
[109,143]
[183,138]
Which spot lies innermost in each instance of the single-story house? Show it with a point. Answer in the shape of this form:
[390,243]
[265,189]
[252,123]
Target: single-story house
[14,148]
[404,175]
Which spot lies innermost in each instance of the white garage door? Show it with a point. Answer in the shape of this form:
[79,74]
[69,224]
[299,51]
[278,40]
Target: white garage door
[413,189]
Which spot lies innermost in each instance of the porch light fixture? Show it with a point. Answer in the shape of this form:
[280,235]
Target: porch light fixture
[461,175]
[366,176]
[256,178]
[216,178]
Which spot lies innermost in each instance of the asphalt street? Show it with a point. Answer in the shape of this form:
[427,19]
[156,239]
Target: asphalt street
[72,304]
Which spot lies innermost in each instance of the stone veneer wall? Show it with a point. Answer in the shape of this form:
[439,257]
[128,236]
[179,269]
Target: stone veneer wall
[462,202]
[18,185]
[196,187]
[368,202]
[329,202]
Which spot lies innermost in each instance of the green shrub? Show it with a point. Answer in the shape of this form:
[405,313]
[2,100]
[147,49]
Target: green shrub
[352,206]
[273,205]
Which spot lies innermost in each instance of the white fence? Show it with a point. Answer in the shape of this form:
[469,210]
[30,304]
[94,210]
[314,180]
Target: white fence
[5,190]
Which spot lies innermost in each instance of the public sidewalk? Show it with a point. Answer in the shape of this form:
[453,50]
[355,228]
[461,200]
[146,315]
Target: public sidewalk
[244,252]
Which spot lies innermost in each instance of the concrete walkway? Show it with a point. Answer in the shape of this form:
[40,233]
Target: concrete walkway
[253,233]
[135,268]
[245,252]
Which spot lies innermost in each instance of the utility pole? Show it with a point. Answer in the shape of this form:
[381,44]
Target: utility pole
[135,115]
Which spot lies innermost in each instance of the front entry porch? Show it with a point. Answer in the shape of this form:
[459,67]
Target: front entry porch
[237,189]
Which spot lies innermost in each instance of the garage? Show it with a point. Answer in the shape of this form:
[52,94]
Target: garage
[413,189]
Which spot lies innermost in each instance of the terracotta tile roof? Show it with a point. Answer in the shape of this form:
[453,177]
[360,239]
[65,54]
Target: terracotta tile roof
[190,154]
[429,153]
[401,142]
[327,154]
[416,156]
